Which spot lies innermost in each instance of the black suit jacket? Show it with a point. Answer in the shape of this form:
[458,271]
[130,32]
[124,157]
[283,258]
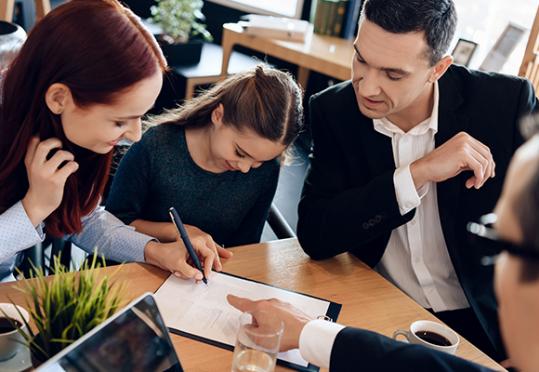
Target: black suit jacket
[361,350]
[349,202]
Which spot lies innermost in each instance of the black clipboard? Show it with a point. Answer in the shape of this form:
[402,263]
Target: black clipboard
[331,314]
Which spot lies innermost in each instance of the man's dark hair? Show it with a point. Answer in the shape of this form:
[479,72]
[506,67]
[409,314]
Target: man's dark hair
[437,18]
[527,209]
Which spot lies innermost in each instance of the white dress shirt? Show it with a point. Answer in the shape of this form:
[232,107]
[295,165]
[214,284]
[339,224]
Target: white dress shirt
[416,258]
[316,341]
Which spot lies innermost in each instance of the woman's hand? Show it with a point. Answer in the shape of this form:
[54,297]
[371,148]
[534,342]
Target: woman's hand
[200,239]
[175,258]
[46,177]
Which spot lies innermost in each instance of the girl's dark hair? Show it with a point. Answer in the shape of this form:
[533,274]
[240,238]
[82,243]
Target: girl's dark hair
[263,99]
[97,48]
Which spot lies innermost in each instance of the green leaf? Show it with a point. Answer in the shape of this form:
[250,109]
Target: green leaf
[65,307]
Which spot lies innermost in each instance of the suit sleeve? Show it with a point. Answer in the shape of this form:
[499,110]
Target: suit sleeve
[334,217]
[527,104]
[354,348]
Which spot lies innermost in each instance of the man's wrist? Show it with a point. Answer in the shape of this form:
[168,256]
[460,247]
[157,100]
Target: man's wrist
[299,327]
[316,341]
[419,175]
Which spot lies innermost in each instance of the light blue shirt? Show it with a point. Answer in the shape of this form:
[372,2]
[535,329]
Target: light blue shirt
[101,230]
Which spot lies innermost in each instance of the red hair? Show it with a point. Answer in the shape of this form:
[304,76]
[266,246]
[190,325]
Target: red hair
[97,48]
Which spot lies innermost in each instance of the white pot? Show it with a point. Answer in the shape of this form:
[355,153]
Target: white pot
[12,37]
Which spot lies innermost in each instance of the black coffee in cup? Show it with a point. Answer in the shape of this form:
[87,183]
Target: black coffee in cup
[9,324]
[433,338]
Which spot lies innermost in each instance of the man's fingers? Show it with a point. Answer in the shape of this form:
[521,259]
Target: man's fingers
[488,173]
[474,162]
[240,303]
[470,182]
[485,167]
[484,150]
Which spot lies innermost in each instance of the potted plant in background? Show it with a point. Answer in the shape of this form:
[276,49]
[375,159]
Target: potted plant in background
[12,38]
[65,307]
[182,30]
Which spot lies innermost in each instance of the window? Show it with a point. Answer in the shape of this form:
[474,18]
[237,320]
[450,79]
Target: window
[283,8]
[483,21]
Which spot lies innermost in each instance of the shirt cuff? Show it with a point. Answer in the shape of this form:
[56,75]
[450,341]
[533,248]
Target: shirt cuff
[22,232]
[139,242]
[316,341]
[408,197]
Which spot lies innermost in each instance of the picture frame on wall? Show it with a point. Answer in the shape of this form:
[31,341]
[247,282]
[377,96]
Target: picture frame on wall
[502,49]
[463,52]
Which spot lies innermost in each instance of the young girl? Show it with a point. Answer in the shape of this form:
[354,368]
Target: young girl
[215,159]
[85,76]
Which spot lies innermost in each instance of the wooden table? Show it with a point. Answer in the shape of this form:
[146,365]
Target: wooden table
[328,55]
[368,300]
[7,6]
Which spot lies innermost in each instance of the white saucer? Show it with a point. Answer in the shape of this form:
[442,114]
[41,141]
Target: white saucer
[19,362]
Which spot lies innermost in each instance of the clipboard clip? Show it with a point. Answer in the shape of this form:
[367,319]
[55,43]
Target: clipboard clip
[325,317]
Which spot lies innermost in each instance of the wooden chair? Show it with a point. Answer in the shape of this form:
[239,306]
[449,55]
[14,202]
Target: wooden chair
[530,63]
[7,7]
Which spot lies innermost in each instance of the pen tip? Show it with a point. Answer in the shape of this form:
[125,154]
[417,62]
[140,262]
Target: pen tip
[205,281]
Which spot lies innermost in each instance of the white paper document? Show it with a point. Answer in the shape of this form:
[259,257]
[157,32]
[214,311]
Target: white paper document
[203,310]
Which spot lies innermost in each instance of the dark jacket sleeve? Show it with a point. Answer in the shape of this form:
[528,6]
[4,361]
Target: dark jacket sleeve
[252,225]
[528,104]
[130,185]
[333,216]
[357,349]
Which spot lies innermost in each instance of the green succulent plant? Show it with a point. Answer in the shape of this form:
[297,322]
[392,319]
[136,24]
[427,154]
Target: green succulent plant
[180,19]
[66,306]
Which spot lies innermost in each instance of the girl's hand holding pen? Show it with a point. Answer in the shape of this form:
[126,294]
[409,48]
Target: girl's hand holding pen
[175,258]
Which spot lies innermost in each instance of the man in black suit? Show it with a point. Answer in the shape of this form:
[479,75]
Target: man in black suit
[405,154]
[342,348]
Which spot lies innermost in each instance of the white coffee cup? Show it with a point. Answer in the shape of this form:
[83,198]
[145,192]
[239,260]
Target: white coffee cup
[419,326]
[12,341]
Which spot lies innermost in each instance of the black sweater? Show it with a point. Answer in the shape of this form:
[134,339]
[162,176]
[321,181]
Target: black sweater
[158,173]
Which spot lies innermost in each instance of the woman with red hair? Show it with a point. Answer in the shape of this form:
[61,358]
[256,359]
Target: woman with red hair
[82,81]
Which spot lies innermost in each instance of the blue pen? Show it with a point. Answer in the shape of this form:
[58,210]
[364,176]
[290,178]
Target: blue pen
[183,234]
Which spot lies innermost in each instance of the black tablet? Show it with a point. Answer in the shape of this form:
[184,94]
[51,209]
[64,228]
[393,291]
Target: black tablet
[133,339]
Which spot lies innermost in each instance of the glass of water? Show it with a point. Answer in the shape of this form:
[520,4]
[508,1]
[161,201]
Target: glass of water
[257,345]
